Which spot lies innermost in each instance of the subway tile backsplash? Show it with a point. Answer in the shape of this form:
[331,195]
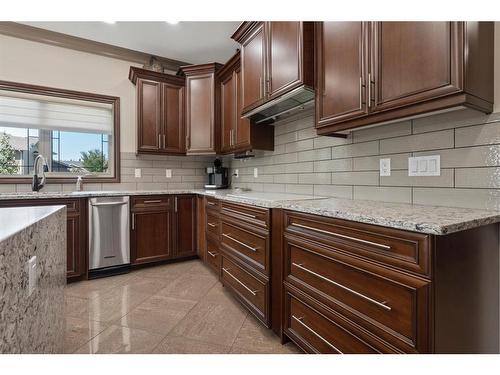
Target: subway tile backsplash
[467,141]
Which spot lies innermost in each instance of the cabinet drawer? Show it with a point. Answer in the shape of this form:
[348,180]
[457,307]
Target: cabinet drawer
[151,202]
[212,225]
[248,243]
[213,256]
[250,214]
[389,302]
[401,249]
[317,331]
[250,290]
[212,203]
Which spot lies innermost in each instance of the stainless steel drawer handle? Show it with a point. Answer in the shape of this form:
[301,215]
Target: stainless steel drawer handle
[108,204]
[211,225]
[211,203]
[300,321]
[239,212]
[379,304]
[239,242]
[153,201]
[342,236]
[254,292]
[213,255]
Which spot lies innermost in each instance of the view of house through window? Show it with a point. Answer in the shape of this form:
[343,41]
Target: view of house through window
[74,136]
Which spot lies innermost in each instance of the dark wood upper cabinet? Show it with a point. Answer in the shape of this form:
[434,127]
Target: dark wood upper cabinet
[374,72]
[228,111]
[185,224]
[276,57]
[290,56]
[341,67]
[253,62]
[414,61]
[202,109]
[160,112]
[238,134]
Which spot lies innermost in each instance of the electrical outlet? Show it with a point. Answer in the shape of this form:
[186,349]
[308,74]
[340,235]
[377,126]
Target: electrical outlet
[138,173]
[168,173]
[32,275]
[385,167]
[256,172]
[424,165]
[236,173]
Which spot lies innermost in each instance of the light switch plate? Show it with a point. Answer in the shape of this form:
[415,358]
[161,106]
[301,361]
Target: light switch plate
[138,173]
[424,165]
[256,172]
[168,173]
[236,173]
[385,167]
[32,275]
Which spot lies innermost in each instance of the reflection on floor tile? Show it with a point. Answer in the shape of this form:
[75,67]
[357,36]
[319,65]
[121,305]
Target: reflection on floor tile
[157,314]
[189,286]
[182,345]
[172,308]
[116,339]
[79,332]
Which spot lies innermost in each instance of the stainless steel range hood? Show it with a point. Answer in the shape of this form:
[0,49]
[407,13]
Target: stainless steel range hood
[284,105]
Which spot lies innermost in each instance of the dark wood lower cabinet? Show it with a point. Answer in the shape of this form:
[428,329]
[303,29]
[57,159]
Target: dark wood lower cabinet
[349,287]
[151,232]
[185,225]
[162,228]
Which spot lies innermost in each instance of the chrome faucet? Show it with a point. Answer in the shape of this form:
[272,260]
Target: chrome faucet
[36,184]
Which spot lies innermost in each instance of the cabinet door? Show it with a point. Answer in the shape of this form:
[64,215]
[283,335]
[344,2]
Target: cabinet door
[173,131]
[149,115]
[242,131]
[285,50]
[414,61]
[228,109]
[185,214]
[253,68]
[75,247]
[151,236]
[200,120]
[340,65]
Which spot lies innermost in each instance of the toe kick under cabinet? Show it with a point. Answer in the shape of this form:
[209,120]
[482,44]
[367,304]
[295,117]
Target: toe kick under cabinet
[359,288]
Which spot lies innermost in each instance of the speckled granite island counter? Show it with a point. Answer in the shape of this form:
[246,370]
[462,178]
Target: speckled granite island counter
[32,323]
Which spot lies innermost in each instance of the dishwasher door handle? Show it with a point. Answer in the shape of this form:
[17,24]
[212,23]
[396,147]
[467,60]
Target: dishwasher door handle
[108,204]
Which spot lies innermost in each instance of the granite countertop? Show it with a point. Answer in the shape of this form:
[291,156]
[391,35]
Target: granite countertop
[268,200]
[15,219]
[418,218]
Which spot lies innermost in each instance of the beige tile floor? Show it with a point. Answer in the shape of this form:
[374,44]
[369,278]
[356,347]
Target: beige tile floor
[175,308]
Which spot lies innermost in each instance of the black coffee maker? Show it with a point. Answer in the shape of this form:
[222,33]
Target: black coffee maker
[218,176]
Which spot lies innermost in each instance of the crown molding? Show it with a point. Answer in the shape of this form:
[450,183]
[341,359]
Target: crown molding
[37,34]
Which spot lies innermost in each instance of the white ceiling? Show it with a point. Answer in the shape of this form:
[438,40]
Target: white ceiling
[192,42]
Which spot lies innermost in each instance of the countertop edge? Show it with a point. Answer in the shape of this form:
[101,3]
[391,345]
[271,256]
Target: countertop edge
[299,205]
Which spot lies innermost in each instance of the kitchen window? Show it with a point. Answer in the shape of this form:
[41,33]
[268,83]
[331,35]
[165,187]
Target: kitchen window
[76,132]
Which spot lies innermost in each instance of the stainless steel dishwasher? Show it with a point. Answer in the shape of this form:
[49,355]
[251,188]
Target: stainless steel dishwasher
[109,236]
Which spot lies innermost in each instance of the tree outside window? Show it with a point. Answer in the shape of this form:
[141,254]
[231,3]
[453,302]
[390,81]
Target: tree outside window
[8,163]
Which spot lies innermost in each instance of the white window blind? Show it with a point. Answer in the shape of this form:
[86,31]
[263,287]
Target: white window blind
[40,112]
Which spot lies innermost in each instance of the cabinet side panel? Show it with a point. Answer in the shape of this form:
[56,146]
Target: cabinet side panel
[480,61]
[466,291]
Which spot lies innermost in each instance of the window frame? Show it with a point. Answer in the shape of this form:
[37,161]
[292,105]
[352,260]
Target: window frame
[79,95]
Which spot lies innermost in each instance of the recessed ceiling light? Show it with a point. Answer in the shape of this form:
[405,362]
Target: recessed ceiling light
[110,22]
[172,22]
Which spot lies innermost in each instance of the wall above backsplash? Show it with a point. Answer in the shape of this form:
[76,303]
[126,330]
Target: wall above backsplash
[468,144]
